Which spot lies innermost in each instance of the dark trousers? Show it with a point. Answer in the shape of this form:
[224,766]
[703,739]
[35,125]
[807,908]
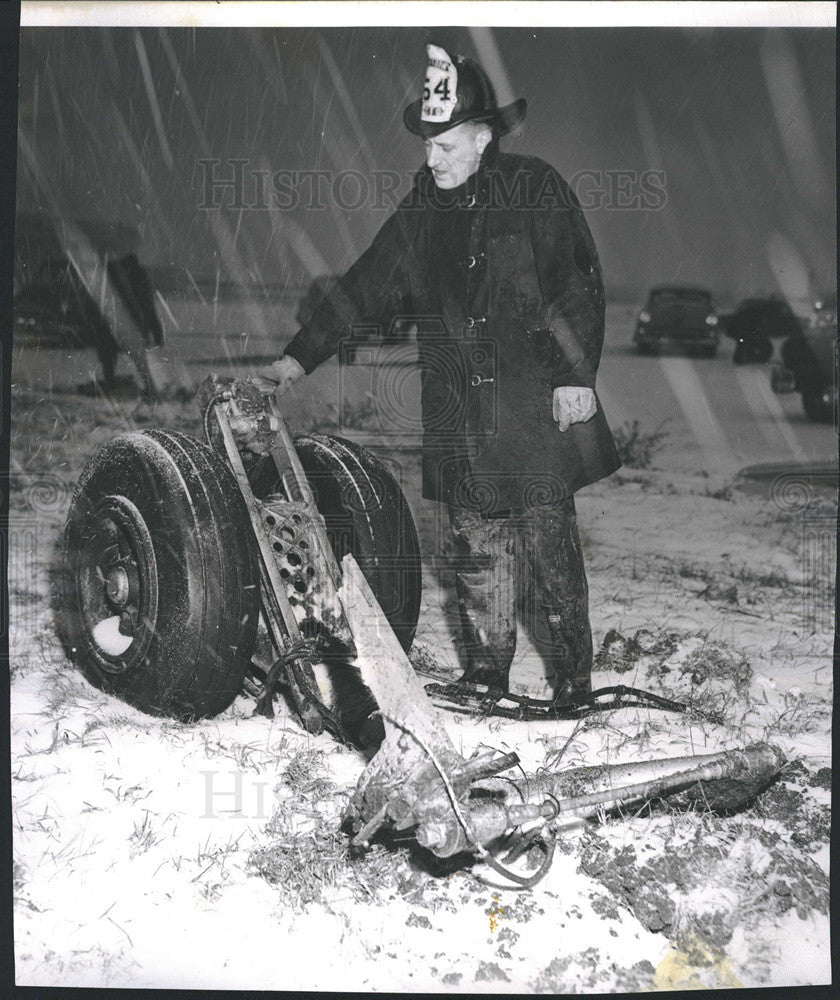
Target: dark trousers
[528,562]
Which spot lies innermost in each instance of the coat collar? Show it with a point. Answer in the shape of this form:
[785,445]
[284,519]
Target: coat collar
[474,192]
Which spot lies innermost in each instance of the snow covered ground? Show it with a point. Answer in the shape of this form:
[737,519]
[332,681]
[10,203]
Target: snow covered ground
[151,853]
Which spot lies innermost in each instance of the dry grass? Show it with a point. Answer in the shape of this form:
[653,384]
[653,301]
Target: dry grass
[246,756]
[143,836]
[305,774]
[425,662]
[638,448]
[797,715]
[308,855]
[317,864]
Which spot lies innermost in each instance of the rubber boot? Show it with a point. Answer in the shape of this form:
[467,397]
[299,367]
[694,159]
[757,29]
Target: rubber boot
[560,596]
[485,581]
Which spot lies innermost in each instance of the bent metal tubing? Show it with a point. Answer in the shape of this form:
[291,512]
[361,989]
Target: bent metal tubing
[498,806]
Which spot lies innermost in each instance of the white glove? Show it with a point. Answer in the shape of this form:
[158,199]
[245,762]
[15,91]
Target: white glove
[573,404]
[278,377]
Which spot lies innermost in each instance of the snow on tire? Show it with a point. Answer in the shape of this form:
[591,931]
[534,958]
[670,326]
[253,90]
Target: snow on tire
[158,598]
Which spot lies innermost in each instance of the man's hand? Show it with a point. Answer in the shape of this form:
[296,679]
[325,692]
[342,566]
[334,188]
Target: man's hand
[278,377]
[573,404]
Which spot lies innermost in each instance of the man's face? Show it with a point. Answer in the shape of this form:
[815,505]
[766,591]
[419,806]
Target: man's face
[454,155]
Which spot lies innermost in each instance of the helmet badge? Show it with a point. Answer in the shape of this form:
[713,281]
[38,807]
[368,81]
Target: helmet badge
[440,86]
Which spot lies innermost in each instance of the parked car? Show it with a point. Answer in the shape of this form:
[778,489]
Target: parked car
[753,325]
[678,316]
[810,362]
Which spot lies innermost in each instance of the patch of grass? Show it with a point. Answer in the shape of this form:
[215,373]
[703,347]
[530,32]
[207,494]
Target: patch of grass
[128,793]
[303,865]
[304,774]
[360,414]
[716,662]
[559,750]
[711,677]
[308,855]
[99,963]
[246,756]
[309,866]
[798,714]
[18,877]
[690,571]
[143,836]
[64,689]
[637,448]
[425,662]
[746,574]
[214,874]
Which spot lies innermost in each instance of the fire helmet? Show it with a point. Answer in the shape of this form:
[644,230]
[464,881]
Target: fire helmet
[456,90]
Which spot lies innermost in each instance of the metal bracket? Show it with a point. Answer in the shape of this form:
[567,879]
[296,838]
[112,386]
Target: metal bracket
[228,402]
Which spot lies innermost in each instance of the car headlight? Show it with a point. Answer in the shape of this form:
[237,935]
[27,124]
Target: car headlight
[644,317]
[712,320]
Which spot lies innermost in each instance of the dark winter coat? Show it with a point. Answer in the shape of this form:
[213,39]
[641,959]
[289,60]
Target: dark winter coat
[507,288]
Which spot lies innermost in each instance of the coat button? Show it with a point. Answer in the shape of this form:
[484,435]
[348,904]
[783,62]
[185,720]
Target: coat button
[470,201]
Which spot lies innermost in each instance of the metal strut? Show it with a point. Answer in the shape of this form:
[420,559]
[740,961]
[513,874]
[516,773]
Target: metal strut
[295,656]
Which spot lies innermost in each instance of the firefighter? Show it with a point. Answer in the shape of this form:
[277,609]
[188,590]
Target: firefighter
[497,246]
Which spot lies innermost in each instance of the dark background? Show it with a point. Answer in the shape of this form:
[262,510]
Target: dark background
[113,123]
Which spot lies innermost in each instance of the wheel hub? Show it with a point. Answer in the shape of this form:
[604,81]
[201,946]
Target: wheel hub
[118,586]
